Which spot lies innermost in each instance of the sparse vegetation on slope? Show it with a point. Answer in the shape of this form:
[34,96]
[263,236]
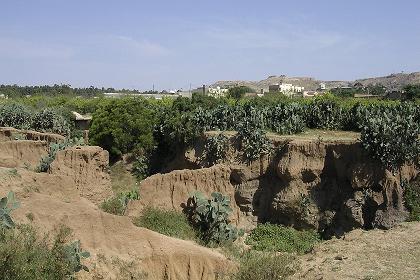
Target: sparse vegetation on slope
[118,204]
[277,238]
[167,222]
[264,266]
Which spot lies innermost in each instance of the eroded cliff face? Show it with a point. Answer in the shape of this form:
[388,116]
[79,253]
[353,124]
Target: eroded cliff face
[329,186]
[87,168]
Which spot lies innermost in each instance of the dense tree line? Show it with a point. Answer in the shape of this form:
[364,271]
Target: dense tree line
[15,91]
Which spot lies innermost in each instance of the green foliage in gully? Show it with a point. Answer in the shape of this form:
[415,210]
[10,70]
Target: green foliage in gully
[117,205]
[210,217]
[215,149]
[167,222]
[277,238]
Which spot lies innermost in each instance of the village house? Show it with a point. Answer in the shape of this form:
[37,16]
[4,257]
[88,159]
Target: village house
[217,92]
[287,89]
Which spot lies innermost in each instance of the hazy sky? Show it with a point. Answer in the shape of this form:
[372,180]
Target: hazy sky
[135,44]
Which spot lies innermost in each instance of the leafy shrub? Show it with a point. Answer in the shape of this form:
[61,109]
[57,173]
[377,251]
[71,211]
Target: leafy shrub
[50,120]
[254,142]
[326,113]
[287,118]
[15,115]
[118,204]
[277,238]
[141,167]
[392,136]
[412,200]
[412,91]
[167,222]
[26,256]
[210,217]
[264,266]
[124,125]
[215,148]
[7,205]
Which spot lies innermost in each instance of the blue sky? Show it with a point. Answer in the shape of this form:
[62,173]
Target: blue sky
[135,44]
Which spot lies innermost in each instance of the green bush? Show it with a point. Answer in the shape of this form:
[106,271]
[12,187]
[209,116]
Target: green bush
[167,222]
[141,167]
[239,92]
[392,136]
[215,148]
[118,204]
[48,120]
[326,113]
[277,238]
[124,125]
[210,217]
[265,266]
[15,115]
[412,200]
[253,140]
[287,118]
[27,256]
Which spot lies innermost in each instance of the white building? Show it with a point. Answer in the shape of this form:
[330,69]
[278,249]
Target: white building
[218,92]
[287,89]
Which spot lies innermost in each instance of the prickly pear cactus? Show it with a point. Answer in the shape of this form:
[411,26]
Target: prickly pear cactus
[7,205]
[210,216]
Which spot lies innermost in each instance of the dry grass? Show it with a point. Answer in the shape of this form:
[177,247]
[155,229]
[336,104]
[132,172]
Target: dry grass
[309,134]
[375,254]
[121,179]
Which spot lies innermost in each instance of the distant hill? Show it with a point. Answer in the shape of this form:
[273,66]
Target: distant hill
[391,82]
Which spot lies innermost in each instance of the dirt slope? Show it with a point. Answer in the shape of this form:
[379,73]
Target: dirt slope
[110,237]
[367,255]
[70,194]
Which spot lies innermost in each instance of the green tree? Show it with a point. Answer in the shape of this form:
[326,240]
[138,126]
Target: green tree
[239,92]
[412,91]
[124,125]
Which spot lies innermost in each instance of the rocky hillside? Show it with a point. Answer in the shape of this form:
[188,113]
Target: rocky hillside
[391,82]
